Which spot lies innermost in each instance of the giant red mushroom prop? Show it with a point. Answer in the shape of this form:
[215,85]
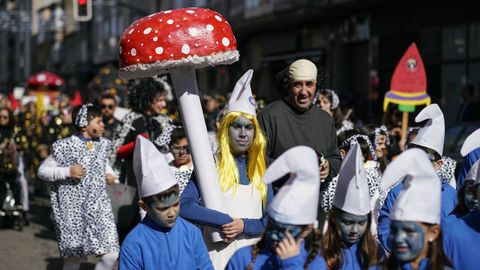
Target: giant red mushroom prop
[177,42]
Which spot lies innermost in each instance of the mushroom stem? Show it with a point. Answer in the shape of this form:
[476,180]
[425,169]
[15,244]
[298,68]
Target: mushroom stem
[185,85]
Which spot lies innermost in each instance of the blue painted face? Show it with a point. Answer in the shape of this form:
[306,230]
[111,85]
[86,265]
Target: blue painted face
[241,133]
[165,212]
[352,227]
[470,198]
[407,239]
[275,232]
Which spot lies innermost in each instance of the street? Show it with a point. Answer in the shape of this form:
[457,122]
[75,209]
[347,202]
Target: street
[35,247]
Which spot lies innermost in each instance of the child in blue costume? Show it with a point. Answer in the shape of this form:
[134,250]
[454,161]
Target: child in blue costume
[240,166]
[471,151]
[161,240]
[430,138]
[462,236]
[292,213]
[348,242]
[415,235]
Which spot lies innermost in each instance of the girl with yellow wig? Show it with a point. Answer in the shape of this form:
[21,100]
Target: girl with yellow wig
[240,166]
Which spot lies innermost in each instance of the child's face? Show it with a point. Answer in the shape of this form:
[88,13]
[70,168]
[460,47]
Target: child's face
[165,212]
[181,152]
[276,232]
[353,227]
[95,127]
[407,239]
[241,133]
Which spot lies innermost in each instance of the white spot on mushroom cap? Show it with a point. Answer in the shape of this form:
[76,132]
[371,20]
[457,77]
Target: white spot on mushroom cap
[209,27]
[131,30]
[218,18]
[185,49]
[178,25]
[149,57]
[133,51]
[141,44]
[193,32]
[155,39]
[167,11]
[225,41]
[147,30]
[159,50]
[190,11]
[170,21]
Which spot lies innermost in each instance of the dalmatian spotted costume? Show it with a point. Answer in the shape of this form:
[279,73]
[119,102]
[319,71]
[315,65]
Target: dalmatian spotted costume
[182,175]
[84,221]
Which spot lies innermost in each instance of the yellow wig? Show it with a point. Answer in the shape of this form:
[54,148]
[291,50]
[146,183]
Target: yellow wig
[227,167]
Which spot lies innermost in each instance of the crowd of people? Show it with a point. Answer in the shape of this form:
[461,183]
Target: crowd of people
[302,185]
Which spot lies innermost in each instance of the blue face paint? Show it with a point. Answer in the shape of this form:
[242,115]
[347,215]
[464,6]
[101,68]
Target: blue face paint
[407,239]
[165,212]
[470,198]
[275,232]
[352,227]
[241,133]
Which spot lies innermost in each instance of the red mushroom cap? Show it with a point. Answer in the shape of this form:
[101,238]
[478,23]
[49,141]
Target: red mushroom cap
[46,79]
[195,37]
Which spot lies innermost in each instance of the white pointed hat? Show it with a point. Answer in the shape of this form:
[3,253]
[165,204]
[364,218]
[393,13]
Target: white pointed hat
[242,99]
[432,134]
[352,193]
[473,172]
[420,198]
[297,200]
[471,143]
[151,169]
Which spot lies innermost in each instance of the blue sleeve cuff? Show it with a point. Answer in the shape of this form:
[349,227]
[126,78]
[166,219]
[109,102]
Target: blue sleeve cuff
[292,263]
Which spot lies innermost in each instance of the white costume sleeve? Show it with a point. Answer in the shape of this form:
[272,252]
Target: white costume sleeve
[50,171]
[109,170]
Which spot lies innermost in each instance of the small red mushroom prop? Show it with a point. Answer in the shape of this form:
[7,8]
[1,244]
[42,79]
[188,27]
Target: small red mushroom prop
[177,42]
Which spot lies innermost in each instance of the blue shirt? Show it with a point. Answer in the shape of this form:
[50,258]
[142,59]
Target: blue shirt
[267,260]
[449,200]
[350,259]
[468,161]
[192,209]
[461,241]
[149,246]
[423,265]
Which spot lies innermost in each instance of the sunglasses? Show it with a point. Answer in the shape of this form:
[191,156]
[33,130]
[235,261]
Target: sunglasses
[107,106]
[180,150]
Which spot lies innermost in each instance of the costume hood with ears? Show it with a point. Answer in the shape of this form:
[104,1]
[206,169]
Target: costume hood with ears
[151,169]
[420,198]
[471,143]
[432,135]
[352,193]
[242,99]
[296,202]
